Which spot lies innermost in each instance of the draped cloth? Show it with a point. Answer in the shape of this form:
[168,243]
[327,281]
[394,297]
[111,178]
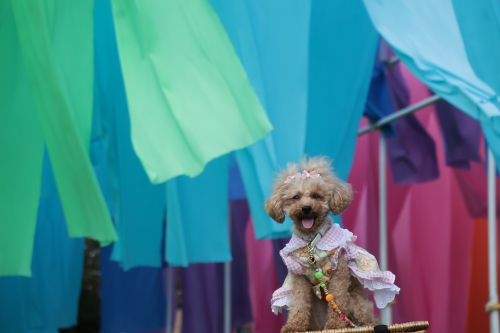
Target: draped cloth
[275,59]
[341,38]
[137,206]
[430,231]
[133,300]
[188,95]
[192,237]
[421,32]
[49,299]
[49,45]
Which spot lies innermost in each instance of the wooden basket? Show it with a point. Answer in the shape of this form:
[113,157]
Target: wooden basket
[415,327]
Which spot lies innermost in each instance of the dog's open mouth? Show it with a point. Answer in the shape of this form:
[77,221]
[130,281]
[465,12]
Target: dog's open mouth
[308,223]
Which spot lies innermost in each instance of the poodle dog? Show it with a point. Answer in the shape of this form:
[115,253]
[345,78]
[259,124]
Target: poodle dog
[322,261]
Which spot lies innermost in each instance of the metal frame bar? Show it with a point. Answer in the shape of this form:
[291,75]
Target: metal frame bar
[492,241]
[227,282]
[400,114]
[492,232]
[169,277]
[227,297]
[382,172]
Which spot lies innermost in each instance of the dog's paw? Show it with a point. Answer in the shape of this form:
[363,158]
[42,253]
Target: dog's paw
[287,329]
[292,328]
[335,323]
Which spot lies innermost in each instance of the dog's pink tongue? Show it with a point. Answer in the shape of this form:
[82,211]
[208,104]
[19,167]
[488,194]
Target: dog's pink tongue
[307,223]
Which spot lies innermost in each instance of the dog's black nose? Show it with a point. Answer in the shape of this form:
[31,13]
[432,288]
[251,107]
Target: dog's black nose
[306,209]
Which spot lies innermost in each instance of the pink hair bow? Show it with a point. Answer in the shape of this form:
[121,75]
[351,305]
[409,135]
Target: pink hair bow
[304,175]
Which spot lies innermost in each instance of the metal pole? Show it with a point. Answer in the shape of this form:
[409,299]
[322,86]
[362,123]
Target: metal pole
[492,242]
[227,283]
[168,324]
[227,297]
[400,114]
[386,312]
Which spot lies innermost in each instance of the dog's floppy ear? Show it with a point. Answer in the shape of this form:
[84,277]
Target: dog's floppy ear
[341,197]
[274,205]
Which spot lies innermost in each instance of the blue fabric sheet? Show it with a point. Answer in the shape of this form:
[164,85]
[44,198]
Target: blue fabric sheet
[378,104]
[138,207]
[131,301]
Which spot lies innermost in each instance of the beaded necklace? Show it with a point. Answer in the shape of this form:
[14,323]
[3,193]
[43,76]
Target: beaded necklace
[322,281]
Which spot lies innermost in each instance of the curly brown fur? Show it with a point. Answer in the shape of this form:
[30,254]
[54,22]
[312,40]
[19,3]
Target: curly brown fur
[339,288]
[359,307]
[324,194]
[299,317]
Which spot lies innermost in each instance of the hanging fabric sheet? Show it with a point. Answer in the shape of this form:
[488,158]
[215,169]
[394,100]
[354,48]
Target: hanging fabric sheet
[138,207]
[428,38]
[197,216]
[275,59]
[48,300]
[342,50]
[21,148]
[412,152]
[132,301]
[189,98]
[54,40]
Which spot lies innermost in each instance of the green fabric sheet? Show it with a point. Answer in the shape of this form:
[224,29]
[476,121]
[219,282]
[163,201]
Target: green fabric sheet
[189,97]
[21,153]
[51,48]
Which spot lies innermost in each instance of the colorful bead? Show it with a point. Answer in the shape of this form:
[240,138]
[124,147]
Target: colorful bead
[342,316]
[318,275]
[323,285]
[329,298]
[334,306]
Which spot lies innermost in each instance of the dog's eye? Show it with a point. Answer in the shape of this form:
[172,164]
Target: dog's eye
[296,197]
[315,196]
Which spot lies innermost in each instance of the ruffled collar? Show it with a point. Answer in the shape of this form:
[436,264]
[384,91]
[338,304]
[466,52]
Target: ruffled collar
[334,237]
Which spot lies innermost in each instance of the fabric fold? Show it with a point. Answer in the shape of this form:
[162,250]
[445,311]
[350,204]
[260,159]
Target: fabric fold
[137,206]
[433,31]
[171,51]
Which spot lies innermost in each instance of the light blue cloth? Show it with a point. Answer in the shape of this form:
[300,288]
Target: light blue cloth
[138,207]
[48,300]
[479,23]
[197,216]
[428,39]
[271,39]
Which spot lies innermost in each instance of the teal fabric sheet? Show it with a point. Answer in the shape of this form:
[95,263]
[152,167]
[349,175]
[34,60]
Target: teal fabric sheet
[312,73]
[271,39]
[343,45]
[198,215]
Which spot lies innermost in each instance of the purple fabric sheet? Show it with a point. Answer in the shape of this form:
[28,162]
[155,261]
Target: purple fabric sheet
[412,151]
[461,136]
[203,284]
